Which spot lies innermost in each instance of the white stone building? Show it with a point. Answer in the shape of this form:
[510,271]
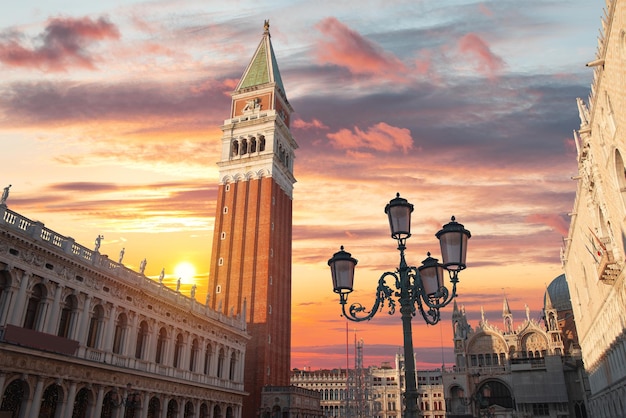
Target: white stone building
[83,336]
[381,394]
[593,256]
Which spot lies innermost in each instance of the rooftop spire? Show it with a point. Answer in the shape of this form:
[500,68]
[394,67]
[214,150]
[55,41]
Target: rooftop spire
[505,307]
[263,68]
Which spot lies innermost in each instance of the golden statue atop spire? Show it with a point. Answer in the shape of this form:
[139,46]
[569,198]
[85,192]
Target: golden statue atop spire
[266,26]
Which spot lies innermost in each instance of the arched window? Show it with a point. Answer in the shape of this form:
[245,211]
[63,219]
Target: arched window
[34,307]
[49,401]
[178,350]
[81,403]
[160,348]
[172,409]
[188,410]
[261,143]
[120,333]
[68,316]
[142,339]
[220,363]
[14,397]
[154,407]
[96,323]
[252,145]
[235,148]
[233,362]
[193,354]
[244,146]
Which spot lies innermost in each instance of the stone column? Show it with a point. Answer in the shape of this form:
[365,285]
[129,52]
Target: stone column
[20,301]
[99,400]
[33,406]
[164,407]
[71,397]
[145,402]
[44,318]
[168,350]
[107,341]
[131,336]
[85,317]
[184,353]
[3,378]
[54,312]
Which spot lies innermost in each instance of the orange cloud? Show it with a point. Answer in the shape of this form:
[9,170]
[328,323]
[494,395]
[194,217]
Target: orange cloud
[475,47]
[347,48]
[314,124]
[556,222]
[65,42]
[380,137]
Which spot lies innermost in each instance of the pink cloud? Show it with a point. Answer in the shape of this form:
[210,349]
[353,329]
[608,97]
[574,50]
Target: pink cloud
[380,137]
[556,222]
[485,10]
[314,124]
[65,42]
[475,47]
[347,48]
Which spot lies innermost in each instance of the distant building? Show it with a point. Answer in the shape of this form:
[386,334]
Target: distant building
[593,256]
[383,388]
[290,402]
[331,384]
[251,257]
[526,371]
[83,336]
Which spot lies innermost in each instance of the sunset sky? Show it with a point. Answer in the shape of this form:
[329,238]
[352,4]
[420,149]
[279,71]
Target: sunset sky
[110,124]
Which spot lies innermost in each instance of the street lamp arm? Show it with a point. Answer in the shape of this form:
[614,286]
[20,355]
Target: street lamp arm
[357,312]
[416,288]
[431,316]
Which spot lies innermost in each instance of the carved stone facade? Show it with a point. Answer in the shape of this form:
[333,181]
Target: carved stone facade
[517,372]
[383,389]
[83,336]
[593,256]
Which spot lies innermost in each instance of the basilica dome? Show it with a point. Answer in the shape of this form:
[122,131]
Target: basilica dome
[559,294]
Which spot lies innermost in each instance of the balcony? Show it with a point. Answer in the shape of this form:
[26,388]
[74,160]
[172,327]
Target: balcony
[608,268]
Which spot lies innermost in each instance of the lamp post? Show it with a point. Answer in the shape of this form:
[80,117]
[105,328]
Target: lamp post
[417,288]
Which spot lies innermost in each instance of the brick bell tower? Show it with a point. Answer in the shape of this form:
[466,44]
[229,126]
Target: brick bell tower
[251,259]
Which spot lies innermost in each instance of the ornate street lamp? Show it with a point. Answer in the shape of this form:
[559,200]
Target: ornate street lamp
[422,287]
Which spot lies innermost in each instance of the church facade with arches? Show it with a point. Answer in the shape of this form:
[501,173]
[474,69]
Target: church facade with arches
[532,369]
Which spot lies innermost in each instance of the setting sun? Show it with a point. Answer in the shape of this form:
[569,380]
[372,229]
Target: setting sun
[186,271]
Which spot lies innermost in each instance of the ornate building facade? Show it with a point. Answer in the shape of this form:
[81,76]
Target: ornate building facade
[593,256]
[531,370]
[251,257]
[381,394]
[83,336]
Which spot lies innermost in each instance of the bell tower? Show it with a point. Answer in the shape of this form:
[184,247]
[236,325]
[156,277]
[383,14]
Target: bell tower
[251,258]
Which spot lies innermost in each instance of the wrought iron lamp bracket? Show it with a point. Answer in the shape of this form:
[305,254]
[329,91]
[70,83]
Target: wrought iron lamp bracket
[357,312]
